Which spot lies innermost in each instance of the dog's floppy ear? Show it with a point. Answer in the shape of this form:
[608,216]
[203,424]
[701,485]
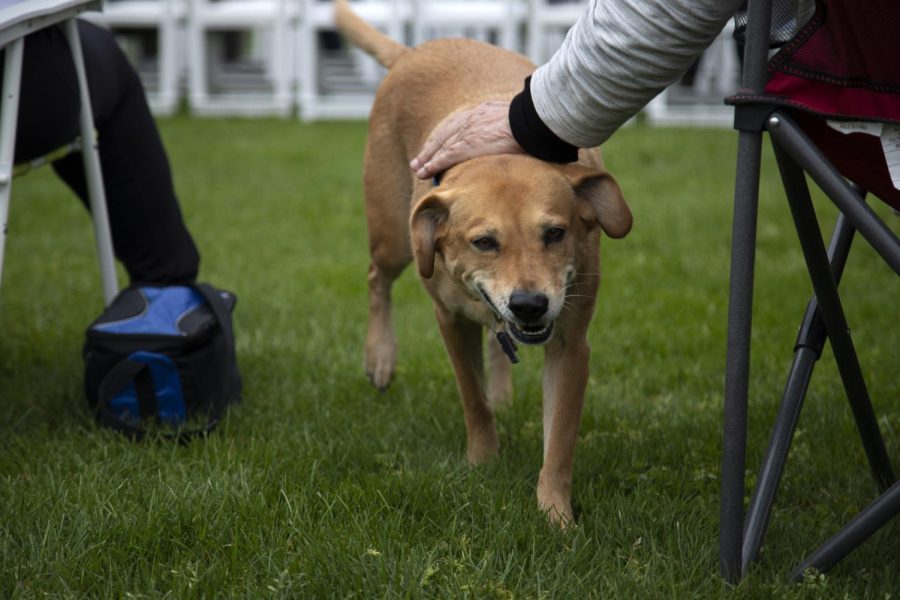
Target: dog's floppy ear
[426,220]
[601,200]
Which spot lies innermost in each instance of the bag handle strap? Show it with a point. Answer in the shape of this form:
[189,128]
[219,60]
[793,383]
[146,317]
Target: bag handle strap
[123,373]
[112,383]
[222,312]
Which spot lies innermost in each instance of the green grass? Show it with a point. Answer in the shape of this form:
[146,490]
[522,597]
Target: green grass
[319,486]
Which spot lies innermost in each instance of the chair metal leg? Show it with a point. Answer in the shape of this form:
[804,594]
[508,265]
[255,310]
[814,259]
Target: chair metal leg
[740,302]
[808,349]
[93,171]
[832,312]
[737,361]
[9,112]
[866,523]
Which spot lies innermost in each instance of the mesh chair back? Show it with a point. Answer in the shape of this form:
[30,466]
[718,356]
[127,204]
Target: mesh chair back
[784,23]
[845,62]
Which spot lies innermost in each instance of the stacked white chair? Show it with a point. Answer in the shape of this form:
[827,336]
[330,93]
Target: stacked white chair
[260,83]
[494,21]
[548,22]
[336,81]
[297,58]
[161,74]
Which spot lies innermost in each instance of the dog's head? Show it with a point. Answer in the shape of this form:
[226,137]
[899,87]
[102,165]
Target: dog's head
[512,231]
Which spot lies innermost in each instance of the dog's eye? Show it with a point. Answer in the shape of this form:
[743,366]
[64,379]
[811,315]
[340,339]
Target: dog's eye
[486,243]
[554,235]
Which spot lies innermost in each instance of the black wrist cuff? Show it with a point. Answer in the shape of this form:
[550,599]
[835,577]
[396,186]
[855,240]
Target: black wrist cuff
[533,135]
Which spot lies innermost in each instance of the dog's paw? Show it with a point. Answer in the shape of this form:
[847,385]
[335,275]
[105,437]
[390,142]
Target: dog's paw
[381,359]
[559,515]
[380,372]
[482,449]
[555,502]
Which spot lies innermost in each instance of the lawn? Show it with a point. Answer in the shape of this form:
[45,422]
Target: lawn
[319,486]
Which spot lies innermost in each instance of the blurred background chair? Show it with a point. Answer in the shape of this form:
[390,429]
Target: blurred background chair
[548,21]
[151,32]
[266,57]
[497,22]
[239,56]
[696,99]
[830,102]
[335,79]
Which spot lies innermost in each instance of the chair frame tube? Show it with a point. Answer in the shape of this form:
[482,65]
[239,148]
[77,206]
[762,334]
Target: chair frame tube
[740,306]
[807,350]
[825,288]
[12,76]
[866,523]
[93,172]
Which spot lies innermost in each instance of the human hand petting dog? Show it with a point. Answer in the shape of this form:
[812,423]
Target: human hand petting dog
[477,131]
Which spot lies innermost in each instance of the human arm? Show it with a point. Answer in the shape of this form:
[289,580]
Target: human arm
[616,58]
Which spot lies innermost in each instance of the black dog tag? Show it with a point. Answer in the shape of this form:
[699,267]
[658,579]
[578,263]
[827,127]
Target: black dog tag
[508,346]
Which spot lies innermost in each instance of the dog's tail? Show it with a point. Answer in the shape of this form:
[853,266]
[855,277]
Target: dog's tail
[385,50]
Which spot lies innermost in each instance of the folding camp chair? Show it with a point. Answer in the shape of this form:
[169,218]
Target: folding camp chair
[17,20]
[844,65]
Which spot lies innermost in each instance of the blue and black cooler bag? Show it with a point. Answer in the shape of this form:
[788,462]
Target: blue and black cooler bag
[161,359]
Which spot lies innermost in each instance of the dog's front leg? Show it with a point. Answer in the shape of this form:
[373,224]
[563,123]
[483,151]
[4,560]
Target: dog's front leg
[499,381]
[462,338]
[565,379]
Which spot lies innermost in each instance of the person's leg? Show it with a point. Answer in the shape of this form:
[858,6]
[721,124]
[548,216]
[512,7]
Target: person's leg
[149,234]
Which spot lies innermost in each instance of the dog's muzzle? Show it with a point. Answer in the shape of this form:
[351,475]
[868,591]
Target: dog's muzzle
[529,309]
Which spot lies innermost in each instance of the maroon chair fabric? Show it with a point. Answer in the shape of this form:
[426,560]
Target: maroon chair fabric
[844,65]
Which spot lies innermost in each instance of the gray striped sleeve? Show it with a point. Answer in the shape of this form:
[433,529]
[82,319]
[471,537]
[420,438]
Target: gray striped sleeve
[618,57]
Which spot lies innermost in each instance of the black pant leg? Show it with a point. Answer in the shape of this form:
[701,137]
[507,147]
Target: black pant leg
[149,234]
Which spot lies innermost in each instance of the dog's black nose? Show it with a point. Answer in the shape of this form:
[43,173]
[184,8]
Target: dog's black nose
[527,306]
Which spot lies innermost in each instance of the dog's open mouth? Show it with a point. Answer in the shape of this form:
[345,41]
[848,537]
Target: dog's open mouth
[526,334]
[531,335]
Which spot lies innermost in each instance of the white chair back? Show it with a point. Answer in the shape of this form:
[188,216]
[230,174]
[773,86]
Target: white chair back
[239,56]
[336,80]
[548,23]
[161,73]
[493,21]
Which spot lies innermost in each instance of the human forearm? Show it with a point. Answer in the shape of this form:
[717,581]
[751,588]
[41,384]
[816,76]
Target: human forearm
[617,57]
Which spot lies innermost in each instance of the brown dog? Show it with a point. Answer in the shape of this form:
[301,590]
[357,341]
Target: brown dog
[508,243]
